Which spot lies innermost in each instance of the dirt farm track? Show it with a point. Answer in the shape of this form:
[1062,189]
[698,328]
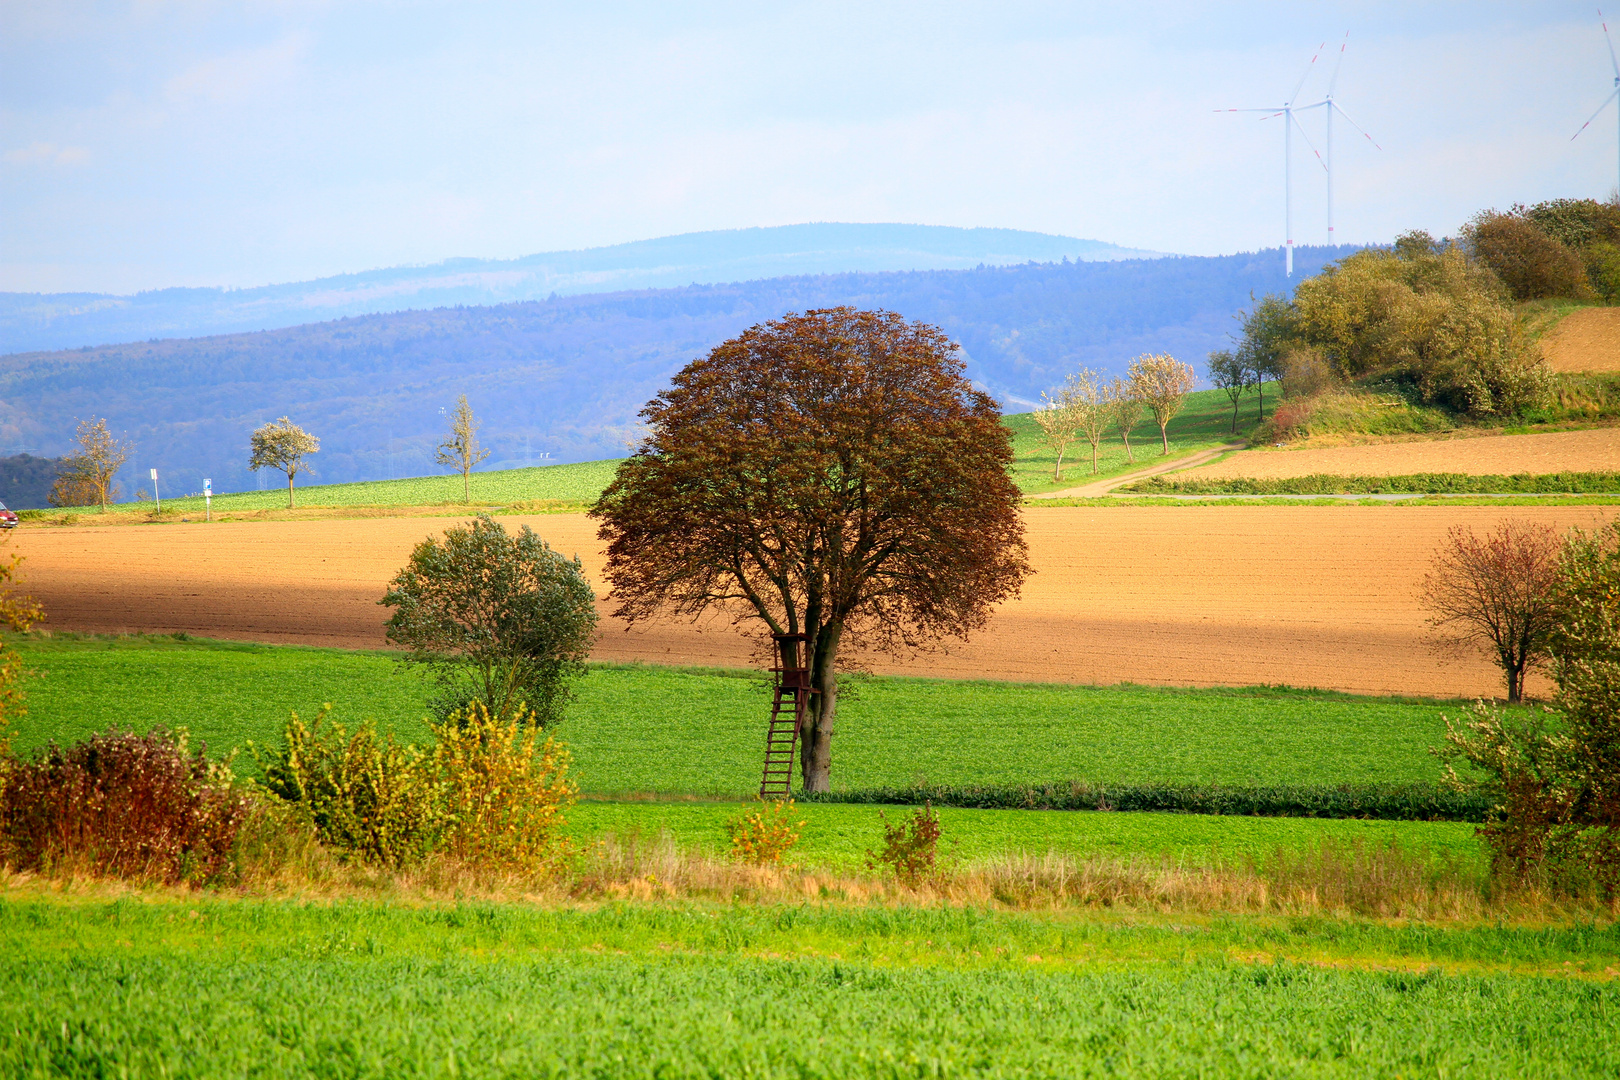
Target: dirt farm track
[1309,596]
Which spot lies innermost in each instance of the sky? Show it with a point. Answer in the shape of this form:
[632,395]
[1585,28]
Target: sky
[152,144]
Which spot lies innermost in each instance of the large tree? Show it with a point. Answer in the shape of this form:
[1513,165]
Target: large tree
[86,478]
[461,451]
[831,474]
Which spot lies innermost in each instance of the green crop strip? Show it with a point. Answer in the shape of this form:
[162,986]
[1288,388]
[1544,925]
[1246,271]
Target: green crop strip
[272,989]
[1566,483]
[652,729]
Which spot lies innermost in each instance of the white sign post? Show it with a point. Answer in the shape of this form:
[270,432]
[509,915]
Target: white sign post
[208,500]
[156,497]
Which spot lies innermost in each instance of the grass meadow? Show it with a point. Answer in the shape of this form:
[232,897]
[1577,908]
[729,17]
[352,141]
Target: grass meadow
[201,987]
[645,729]
[660,750]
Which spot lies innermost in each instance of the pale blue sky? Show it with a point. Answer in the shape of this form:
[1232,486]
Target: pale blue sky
[152,144]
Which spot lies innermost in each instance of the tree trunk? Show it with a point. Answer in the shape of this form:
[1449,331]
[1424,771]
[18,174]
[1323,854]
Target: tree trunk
[466,488]
[1130,457]
[1057,472]
[290,491]
[815,739]
[1260,385]
[1094,459]
[1515,681]
[1164,437]
[1235,403]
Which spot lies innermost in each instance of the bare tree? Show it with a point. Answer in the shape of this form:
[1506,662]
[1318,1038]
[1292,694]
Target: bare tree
[1092,409]
[1162,383]
[86,478]
[283,445]
[1126,411]
[1057,421]
[1494,593]
[461,451]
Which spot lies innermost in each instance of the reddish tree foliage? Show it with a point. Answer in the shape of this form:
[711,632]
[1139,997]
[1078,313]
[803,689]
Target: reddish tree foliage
[830,474]
[1495,593]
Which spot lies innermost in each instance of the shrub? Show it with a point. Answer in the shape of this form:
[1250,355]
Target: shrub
[1305,372]
[363,794]
[125,805]
[1603,270]
[503,795]
[499,619]
[1291,417]
[487,793]
[764,836]
[909,848]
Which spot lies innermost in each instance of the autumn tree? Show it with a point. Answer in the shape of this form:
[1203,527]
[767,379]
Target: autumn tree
[832,474]
[461,450]
[1231,375]
[1057,421]
[283,445]
[86,478]
[1494,593]
[498,619]
[1125,409]
[17,613]
[1162,383]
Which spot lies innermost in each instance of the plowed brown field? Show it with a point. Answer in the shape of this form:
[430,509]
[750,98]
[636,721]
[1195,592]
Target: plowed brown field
[1584,340]
[1308,596]
[1594,450]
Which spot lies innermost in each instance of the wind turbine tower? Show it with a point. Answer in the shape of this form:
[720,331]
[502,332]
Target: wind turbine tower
[1290,122]
[1332,107]
[1615,63]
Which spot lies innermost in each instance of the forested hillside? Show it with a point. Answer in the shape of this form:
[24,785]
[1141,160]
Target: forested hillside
[73,320]
[562,379]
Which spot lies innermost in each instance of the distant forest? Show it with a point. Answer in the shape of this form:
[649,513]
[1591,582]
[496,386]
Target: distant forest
[562,379]
[25,480]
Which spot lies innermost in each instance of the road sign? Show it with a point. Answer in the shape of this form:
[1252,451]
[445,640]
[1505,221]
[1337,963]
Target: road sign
[154,474]
[208,489]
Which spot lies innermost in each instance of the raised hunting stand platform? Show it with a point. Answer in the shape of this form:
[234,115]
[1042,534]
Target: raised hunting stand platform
[788,707]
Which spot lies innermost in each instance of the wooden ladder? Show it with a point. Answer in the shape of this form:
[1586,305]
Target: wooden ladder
[781,740]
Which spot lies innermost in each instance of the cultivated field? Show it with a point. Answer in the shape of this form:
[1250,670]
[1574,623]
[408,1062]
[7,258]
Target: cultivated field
[1195,595]
[1587,339]
[1594,450]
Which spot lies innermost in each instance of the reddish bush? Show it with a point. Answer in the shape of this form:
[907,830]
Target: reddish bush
[125,805]
[909,847]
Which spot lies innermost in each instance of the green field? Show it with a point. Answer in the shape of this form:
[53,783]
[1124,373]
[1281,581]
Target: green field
[203,988]
[580,483]
[651,729]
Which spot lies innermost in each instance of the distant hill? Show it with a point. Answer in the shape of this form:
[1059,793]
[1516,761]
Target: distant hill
[561,380]
[71,320]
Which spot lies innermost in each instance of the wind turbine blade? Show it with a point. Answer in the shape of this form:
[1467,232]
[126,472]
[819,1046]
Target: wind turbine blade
[1308,142]
[1273,111]
[1610,41]
[1594,116]
[1337,64]
[1300,85]
[1353,124]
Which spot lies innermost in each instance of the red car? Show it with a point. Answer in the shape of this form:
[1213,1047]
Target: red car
[8,518]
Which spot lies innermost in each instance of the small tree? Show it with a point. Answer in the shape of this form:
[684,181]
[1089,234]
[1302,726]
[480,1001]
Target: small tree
[1162,383]
[86,478]
[1092,409]
[283,445]
[1232,375]
[1494,593]
[498,619]
[461,451]
[1125,408]
[1056,419]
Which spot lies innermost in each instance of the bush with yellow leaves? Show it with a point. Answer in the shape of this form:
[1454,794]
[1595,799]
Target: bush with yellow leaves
[763,837]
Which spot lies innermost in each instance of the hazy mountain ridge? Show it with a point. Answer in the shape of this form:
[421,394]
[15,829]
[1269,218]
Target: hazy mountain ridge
[565,377]
[33,321]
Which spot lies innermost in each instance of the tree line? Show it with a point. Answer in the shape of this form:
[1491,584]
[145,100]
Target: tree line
[87,477]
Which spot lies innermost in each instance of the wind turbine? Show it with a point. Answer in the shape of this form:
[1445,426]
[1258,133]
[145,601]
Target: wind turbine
[1333,107]
[1290,122]
[1615,92]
